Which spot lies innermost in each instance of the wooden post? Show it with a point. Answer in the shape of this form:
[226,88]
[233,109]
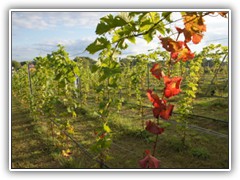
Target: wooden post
[29,79]
[30,87]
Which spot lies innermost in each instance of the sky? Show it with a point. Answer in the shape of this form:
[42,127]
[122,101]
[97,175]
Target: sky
[38,33]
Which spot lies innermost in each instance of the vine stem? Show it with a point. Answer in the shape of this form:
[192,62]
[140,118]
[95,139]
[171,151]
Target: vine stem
[145,32]
[155,145]
[156,140]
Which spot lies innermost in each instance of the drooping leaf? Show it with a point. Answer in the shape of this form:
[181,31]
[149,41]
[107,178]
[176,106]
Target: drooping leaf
[109,22]
[132,39]
[149,161]
[167,16]
[157,71]
[106,128]
[149,36]
[153,128]
[172,86]
[98,44]
[196,38]
[194,26]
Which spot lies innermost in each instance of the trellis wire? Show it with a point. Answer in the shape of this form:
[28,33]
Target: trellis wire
[80,146]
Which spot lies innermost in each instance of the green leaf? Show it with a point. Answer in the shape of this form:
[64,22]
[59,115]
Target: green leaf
[94,68]
[122,44]
[98,44]
[74,114]
[106,128]
[69,109]
[154,16]
[194,88]
[109,22]
[146,25]
[58,76]
[161,29]
[167,16]
[149,36]
[132,39]
[125,16]
[76,70]
[115,38]
[191,93]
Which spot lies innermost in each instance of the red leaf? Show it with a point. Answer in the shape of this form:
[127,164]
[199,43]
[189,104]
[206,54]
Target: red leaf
[153,128]
[194,27]
[153,98]
[174,55]
[179,50]
[102,135]
[156,71]
[156,112]
[153,162]
[185,54]
[149,161]
[147,151]
[196,38]
[167,113]
[187,35]
[160,107]
[172,86]
[171,45]
[223,14]
[179,30]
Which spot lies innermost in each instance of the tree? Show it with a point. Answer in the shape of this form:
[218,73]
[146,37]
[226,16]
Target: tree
[16,64]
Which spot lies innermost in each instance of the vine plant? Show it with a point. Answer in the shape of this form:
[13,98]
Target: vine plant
[54,94]
[127,27]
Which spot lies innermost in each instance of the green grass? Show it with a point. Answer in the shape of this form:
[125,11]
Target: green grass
[216,108]
[28,149]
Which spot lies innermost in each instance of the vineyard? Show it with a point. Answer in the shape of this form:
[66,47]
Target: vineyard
[166,109]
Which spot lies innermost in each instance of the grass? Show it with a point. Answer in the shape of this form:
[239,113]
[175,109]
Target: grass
[28,149]
[216,108]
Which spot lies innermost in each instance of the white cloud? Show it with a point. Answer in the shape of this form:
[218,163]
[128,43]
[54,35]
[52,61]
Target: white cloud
[72,46]
[29,20]
[140,47]
[44,20]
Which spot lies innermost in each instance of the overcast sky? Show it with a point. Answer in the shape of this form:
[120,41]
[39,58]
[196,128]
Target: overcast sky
[38,33]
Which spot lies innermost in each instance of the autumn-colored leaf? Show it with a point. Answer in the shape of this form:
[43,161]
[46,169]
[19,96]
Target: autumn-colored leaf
[153,128]
[172,86]
[179,30]
[170,45]
[223,14]
[179,49]
[194,27]
[187,35]
[157,71]
[165,111]
[149,161]
[66,153]
[153,98]
[196,38]
[184,55]
[102,135]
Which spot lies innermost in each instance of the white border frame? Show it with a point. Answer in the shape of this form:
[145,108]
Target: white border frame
[118,10]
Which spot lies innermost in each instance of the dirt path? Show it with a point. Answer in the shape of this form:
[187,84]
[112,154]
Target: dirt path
[28,149]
